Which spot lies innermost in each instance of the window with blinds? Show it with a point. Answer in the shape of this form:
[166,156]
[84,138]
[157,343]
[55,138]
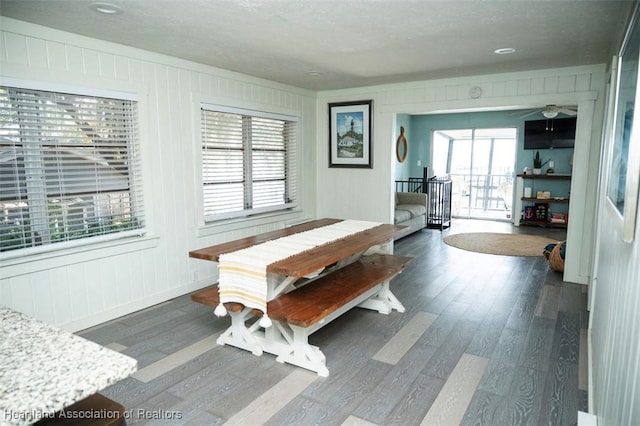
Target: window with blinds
[69,168]
[248,162]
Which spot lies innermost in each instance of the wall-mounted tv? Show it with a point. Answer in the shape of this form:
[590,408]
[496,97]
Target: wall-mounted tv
[550,133]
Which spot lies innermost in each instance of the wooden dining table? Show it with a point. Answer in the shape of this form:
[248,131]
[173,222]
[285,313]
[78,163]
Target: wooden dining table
[285,273]
[289,274]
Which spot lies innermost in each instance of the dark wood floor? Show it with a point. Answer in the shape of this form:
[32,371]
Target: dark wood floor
[510,321]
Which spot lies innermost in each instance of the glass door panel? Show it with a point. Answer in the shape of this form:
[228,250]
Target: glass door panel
[480,163]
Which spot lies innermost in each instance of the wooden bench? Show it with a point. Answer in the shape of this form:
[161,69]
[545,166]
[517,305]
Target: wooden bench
[306,309]
[211,297]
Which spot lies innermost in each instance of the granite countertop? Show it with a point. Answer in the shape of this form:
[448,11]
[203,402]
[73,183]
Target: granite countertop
[44,369]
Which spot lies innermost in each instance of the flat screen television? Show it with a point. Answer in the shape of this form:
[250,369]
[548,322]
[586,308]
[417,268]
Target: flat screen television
[550,133]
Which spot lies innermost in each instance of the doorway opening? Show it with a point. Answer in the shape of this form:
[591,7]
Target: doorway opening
[481,165]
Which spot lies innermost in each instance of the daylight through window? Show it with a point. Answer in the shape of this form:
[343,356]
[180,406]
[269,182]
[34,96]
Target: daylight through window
[248,162]
[480,163]
[69,168]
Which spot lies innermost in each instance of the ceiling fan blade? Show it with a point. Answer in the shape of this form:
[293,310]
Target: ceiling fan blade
[522,111]
[566,111]
[530,114]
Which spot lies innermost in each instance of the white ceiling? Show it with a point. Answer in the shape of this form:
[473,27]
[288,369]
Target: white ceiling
[350,43]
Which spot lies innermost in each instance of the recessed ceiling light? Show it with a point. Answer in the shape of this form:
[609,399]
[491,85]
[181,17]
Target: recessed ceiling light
[313,73]
[504,51]
[107,8]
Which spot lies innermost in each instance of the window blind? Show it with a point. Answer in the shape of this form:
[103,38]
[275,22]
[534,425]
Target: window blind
[69,168]
[248,162]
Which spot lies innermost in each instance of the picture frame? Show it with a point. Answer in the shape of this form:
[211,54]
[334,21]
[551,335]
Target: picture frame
[624,162]
[350,134]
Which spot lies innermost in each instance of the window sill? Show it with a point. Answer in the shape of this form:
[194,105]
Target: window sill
[227,225]
[56,258]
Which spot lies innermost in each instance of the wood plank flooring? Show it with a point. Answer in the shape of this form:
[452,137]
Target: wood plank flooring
[485,340]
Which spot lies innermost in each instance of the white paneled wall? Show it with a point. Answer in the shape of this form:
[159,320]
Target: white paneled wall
[78,288]
[615,329]
[615,316]
[551,83]
[368,194]
[169,91]
[615,307]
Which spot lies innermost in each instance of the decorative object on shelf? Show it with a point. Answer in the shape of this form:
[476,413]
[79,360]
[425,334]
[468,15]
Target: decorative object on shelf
[542,212]
[401,146]
[350,133]
[543,195]
[537,164]
[560,218]
[550,169]
[529,213]
[535,197]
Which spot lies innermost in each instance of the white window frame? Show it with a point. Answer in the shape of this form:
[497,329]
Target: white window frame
[290,181]
[134,170]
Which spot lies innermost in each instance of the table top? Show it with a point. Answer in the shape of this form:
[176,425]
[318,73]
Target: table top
[325,255]
[311,260]
[44,369]
[213,252]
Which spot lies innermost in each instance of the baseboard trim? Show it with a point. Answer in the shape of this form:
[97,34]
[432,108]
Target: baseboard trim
[134,306]
[590,371]
[586,419]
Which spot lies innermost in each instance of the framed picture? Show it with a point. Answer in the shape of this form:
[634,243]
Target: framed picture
[350,125]
[624,166]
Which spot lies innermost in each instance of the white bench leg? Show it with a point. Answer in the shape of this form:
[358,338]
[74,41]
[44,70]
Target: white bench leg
[301,353]
[239,335]
[384,301]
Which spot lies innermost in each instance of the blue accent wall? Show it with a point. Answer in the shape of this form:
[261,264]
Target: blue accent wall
[422,126]
[403,170]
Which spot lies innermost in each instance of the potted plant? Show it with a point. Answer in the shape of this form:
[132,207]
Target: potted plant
[537,164]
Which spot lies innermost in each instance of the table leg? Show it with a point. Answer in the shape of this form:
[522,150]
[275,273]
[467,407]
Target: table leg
[302,354]
[384,301]
[239,335]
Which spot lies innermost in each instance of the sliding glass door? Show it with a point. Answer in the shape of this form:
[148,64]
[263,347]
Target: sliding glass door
[480,163]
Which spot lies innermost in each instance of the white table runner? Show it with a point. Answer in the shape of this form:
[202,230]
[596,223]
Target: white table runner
[243,273]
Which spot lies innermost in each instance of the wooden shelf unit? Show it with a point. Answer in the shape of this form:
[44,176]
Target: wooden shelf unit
[551,176]
[542,224]
[545,200]
[522,200]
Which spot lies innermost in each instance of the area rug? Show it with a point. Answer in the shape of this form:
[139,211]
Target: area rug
[503,244]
